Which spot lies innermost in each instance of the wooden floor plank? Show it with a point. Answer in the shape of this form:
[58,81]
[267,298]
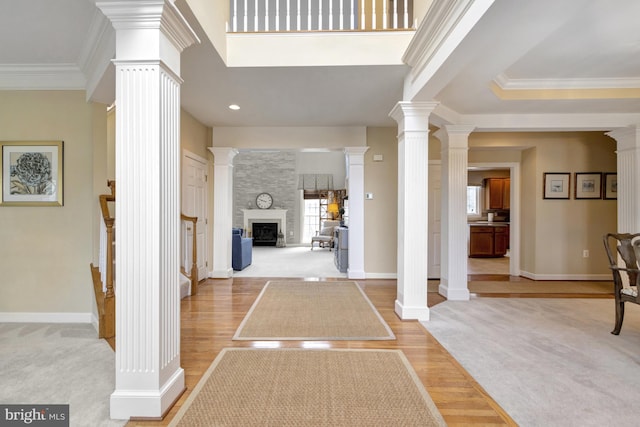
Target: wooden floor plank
[210,318]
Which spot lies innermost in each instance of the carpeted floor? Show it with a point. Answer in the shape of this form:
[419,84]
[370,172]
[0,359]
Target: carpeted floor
[292,261]
[58,364]
[547,362]
[296,387]
[313,310]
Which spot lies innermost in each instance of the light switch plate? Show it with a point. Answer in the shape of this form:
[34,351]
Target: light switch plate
[368,196]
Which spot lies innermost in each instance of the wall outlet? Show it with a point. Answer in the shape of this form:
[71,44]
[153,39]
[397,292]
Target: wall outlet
[585,253]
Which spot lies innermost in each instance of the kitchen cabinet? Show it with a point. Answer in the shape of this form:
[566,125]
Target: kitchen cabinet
[497,193]
[490,241]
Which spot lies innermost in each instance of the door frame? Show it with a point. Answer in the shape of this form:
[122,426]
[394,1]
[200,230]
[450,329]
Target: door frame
[514,210]
[189,154]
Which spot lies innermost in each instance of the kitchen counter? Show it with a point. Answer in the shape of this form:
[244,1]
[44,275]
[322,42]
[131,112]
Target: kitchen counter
[485,223]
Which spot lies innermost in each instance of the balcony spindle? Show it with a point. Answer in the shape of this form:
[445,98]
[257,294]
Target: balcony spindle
[330,14]
[266,15]
[288,22]
[363,16]
[385,15]
[406,14]
[234,20]
[244,28]
[319,14]
[309,16]
[298,17]
[395,14]
[342,14]
[255,17]
[352,17]
[374,17]
[277,15]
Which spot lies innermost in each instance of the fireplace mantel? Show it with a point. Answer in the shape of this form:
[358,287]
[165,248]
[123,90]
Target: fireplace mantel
[278,216]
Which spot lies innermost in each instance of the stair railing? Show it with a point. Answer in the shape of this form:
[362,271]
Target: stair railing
[193,274]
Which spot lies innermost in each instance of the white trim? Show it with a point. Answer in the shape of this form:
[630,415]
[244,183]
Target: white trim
[567,277]
[26,317]
[506,83]
[41,77]
[381,276]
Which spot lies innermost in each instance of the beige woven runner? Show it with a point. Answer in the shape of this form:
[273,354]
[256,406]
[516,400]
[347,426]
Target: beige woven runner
[298,387]
[307,310]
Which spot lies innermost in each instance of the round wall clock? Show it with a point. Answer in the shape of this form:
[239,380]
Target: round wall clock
[264,201]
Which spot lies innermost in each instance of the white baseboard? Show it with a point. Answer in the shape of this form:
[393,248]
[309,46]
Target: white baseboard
[381,275]
[21,317]
[567,277]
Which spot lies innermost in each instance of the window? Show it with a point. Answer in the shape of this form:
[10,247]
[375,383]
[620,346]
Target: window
[473,200]
[311,219]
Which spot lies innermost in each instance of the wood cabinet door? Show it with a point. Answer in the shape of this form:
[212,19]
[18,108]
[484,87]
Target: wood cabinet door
[495,193]
[506,198]
[481,241]
[501,241]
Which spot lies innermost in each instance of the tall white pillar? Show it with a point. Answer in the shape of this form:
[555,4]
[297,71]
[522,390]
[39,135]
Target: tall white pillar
[628,149]
[222,210]
[453,270]
[149,39]
[355,162]
[413,161]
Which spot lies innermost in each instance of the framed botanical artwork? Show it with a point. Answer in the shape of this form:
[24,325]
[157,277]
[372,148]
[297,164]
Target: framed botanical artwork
[610,186]
[588,185]
[32,173]
[556,185]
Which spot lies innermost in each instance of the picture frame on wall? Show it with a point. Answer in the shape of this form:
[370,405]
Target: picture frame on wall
[588,185]
[556,185]
[610,186]
[32,173]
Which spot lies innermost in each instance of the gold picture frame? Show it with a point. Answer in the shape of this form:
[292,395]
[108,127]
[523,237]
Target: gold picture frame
[32,173]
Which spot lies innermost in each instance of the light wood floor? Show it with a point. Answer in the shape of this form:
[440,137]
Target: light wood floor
[210,319]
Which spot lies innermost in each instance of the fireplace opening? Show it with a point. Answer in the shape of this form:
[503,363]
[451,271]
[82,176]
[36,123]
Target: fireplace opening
[264,233]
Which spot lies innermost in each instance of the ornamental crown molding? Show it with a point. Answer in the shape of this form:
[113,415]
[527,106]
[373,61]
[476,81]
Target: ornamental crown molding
[150,14]
[41,77]
[504,82]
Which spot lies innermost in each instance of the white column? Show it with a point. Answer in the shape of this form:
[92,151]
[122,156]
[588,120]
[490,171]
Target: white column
[222,210]
[149,40]
[628,150]
[413,157]
[355,162]
[453,271]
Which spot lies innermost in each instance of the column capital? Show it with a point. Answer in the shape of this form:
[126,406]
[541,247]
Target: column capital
[355,155]
[626,138]
[454,136]
[413,116]
[223,155]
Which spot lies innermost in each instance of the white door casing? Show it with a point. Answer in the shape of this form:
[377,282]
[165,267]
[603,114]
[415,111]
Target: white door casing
[194,203]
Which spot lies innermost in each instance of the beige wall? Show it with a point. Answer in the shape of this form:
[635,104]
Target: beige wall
[381,213]
[46,251]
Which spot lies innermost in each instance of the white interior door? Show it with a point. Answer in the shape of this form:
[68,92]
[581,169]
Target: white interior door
[194,203]
[434,224]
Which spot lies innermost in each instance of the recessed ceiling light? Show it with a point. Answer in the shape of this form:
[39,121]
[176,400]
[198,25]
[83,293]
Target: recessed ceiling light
[234,107]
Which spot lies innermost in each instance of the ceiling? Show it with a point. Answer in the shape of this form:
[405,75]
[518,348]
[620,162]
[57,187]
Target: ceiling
[521,58]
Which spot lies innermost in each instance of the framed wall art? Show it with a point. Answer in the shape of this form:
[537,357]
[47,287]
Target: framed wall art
[32,173]
[610,186]
[588,185]
[556,185]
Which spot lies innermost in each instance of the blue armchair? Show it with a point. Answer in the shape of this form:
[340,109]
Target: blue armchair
[241,249]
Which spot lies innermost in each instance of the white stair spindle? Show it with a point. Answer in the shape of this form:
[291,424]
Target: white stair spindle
[277,15]
[342,14]
[298,17]
[309,27]
[395,14]
[362,16]
[266,15]
[320,15]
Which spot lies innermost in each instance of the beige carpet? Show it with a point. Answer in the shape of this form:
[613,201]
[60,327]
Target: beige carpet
[297,387]
[533,287]
[313,310]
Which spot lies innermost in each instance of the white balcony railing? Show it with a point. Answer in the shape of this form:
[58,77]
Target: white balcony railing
[320,15]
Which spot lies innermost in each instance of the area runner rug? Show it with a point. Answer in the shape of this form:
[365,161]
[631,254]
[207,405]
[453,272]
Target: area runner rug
[301,387]
[306,310]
